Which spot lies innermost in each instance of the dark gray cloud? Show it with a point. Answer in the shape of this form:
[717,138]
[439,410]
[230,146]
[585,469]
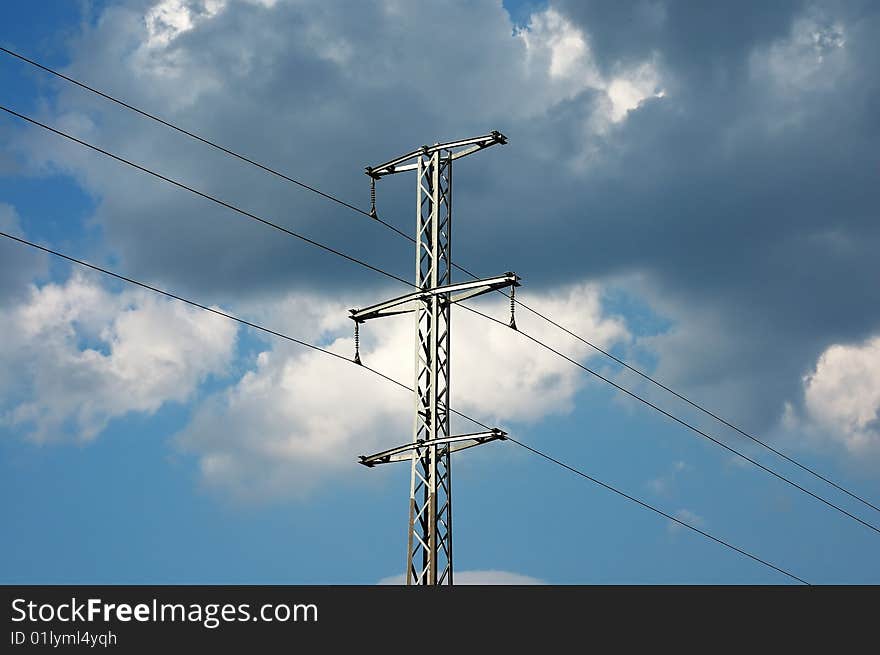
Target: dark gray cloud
[698,39]
[749,198]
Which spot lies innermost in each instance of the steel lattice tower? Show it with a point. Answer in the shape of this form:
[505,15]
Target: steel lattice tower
[429,542]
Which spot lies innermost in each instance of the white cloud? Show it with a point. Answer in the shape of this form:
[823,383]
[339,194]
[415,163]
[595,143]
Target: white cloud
[299,417]
[296,419]
[506,377]
[842,395]
[561,49]
[687,516]
[489,577]
[168,19]
[629,90]
[76,356]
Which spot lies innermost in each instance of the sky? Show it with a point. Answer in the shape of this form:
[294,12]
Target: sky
[690,186]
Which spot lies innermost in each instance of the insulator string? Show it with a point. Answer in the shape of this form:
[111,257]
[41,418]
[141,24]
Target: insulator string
[513,306]
[357,343]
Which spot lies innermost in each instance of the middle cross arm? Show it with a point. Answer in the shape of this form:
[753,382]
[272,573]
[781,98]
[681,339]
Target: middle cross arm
[458,292]
[405,452]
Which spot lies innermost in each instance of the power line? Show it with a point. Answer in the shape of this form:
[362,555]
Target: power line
[206,196]
[256,326]
[399,232]
[201,139]
[218,312]
[410,284]
[654,509]
[703,409]
[680,421]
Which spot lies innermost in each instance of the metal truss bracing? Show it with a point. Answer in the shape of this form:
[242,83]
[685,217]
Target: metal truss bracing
[430,514]
[429,542]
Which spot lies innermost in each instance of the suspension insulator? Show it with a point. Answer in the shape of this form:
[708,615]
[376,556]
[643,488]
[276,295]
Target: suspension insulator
[512,307]
[357,343]
[373,198]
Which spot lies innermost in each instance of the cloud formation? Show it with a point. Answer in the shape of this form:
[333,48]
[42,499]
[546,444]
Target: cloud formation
[300,418]
[720,162]
[842,396]
[77,356]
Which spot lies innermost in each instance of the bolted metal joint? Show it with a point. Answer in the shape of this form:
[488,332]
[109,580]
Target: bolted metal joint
[499,138]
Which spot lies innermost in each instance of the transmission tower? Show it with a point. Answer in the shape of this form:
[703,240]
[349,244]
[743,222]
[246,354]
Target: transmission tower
[429,542]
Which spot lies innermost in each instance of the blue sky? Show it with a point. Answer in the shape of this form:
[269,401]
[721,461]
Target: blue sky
[692,190]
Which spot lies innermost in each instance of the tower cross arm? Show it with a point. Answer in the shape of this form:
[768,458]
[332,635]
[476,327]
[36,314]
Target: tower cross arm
[460,148]
[460,442]
[456,293]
